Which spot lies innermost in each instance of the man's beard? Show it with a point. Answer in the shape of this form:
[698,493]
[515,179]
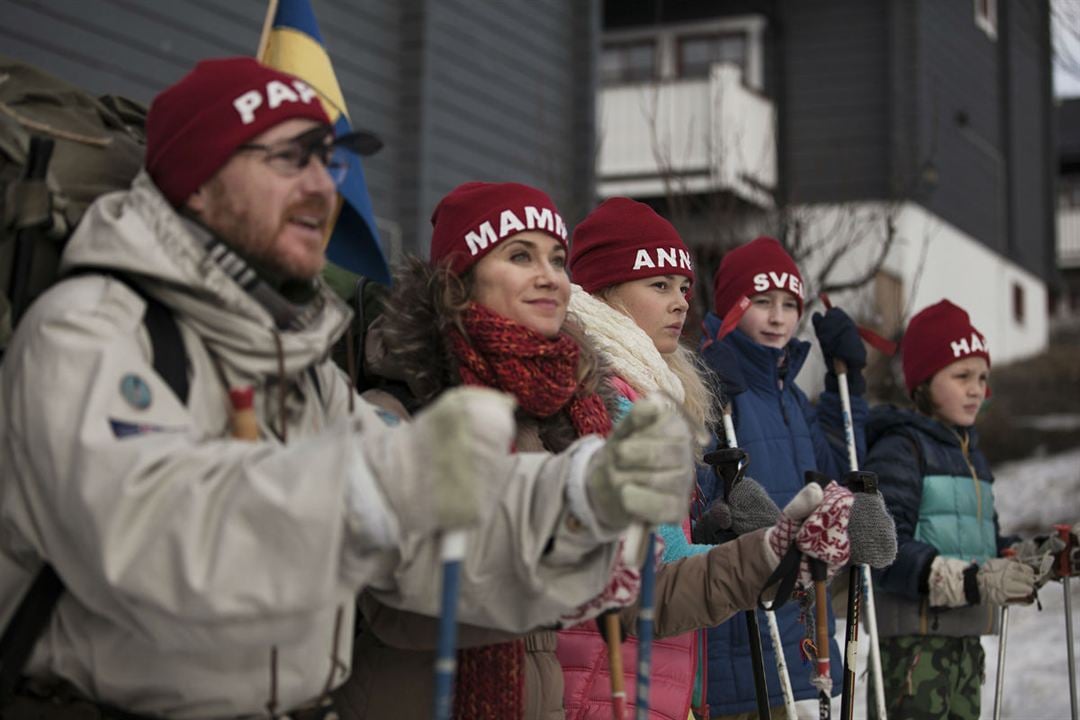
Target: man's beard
[257,241]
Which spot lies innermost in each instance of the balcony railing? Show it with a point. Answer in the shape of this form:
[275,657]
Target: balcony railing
[687,136]
[1068,239]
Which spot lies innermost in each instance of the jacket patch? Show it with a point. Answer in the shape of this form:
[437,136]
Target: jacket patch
[135,391]
[124,429]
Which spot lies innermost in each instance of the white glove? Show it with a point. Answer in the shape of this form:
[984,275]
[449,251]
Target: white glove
[645,471]
[956,583]
[444,469]
[1006,580]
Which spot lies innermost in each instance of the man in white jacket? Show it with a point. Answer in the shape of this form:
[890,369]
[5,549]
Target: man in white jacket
[209,576]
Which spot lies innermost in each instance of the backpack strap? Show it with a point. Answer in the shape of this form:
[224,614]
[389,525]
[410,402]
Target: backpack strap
[26,626]
[166,343]
[36,608]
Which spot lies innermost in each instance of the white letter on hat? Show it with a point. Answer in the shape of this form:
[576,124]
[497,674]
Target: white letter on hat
[643,259]
[478,242]
[306,93]
[509,223]
[278,92]
[246,104]
[539,219]
[960,347]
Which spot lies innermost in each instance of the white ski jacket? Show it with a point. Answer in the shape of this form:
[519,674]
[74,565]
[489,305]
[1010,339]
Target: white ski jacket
[189,557]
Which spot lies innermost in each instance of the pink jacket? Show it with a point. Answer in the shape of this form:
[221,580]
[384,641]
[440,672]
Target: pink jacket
[583,655]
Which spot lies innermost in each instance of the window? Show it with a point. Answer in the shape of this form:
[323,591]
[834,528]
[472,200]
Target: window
[697,53]
[986,17]
[1018,303]
[628,62]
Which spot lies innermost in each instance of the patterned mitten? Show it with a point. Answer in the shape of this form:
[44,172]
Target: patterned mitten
[823,535]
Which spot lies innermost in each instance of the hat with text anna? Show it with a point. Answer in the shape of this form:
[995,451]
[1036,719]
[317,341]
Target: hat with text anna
[935,338]
[623,240]
[196,125]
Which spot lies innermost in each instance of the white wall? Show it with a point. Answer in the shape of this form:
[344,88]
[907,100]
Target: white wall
[934,260]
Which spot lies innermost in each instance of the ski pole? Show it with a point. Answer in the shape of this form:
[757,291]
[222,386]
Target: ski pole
[618,682]
[823,670]
[26,238]
[1000,684]
[1065,570]
[452,552]
[860,585]
[755,631]
[645,627]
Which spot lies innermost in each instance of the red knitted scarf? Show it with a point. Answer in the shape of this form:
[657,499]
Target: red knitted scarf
[541,374]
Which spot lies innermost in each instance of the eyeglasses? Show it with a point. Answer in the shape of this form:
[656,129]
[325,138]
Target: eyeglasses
[290,157]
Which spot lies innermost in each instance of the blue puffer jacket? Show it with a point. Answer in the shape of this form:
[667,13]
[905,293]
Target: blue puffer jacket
[939,489]
[785,436]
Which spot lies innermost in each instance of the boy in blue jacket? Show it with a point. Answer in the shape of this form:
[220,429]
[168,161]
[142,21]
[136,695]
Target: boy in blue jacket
[758,290]
[947,582]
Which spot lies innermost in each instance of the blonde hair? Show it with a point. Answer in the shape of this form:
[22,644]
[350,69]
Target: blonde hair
[687,367]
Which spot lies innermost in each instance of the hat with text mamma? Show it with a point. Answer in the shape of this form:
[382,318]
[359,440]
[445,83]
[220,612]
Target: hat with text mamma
[471,220]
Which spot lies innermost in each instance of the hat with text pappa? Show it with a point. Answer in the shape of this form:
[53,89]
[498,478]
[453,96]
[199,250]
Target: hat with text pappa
[757,267]
[936,337]
[196,125]
[473,218]
[623,240]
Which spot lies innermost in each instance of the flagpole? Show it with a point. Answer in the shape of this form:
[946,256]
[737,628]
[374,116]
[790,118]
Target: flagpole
[268,26]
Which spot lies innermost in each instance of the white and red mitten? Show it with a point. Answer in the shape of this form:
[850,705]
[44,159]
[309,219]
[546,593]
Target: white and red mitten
[823,534]
[780,536]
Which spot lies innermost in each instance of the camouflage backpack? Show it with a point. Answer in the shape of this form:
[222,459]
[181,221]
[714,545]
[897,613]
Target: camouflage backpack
[97,147]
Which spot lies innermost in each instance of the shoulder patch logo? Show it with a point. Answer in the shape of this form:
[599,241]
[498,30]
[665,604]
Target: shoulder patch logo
[135,391]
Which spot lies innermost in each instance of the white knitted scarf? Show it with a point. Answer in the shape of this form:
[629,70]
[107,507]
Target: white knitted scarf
[631,353]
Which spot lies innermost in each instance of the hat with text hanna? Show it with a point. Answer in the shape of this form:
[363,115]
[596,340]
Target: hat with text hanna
[937,337]
[758,266]
[471,220]
[623,240]
[195,126]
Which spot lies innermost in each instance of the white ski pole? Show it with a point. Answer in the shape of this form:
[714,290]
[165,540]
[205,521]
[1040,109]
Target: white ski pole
[770,615]
[870,614]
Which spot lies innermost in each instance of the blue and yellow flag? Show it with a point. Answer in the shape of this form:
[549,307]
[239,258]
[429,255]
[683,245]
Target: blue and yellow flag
[292,43]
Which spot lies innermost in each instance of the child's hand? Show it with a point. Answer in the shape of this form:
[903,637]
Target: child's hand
[839,339]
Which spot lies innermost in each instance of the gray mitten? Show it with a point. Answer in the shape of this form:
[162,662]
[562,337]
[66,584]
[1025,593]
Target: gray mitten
[645,471]
[751,507]
[872,531]
[748,508]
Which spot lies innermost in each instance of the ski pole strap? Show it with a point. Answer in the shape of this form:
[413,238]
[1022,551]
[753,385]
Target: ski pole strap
[869,336]
[731,320]
[784,577]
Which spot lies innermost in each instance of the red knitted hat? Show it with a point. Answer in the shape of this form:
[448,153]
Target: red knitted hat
[195,126]
[622,240]
[471,220]
[936,337]
[756,267]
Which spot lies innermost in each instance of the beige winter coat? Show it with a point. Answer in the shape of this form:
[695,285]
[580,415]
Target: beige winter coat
[189,557]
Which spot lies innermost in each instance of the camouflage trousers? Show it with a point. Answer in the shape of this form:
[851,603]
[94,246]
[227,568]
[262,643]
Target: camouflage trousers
[930,677]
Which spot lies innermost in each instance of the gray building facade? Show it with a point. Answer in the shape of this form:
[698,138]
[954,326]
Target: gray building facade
[457,90]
